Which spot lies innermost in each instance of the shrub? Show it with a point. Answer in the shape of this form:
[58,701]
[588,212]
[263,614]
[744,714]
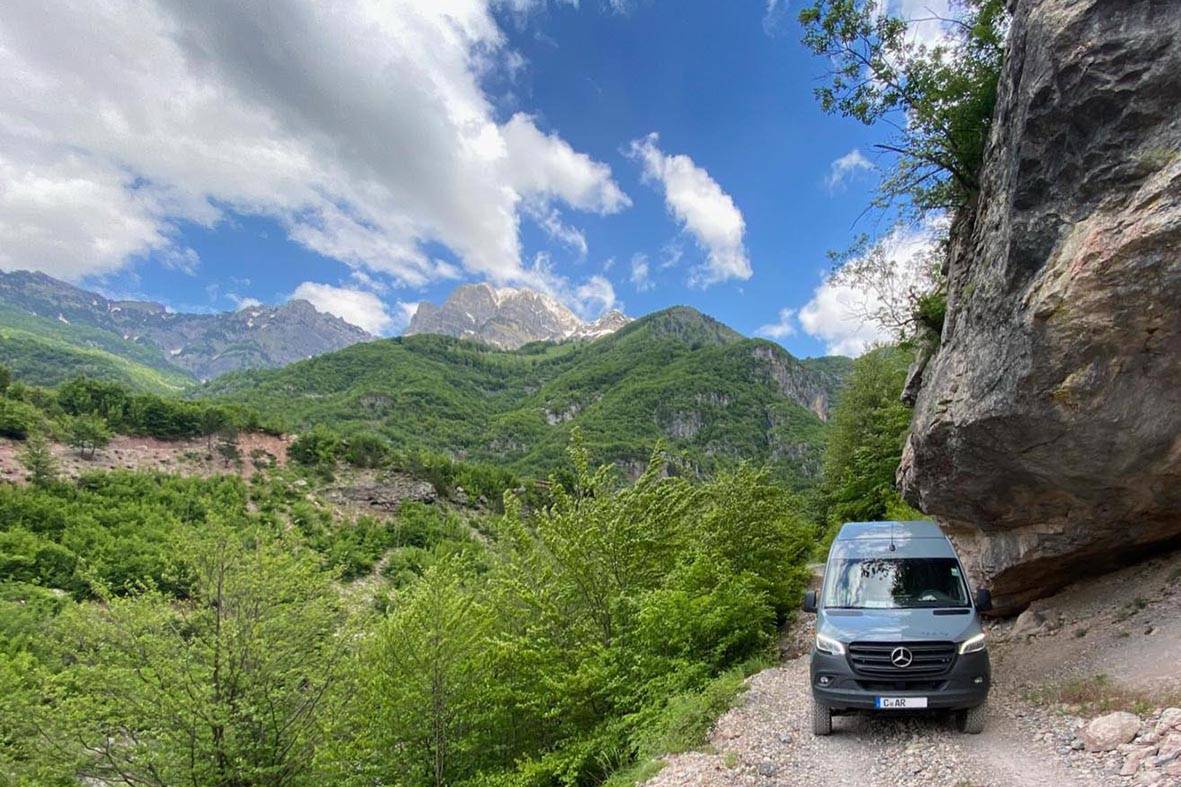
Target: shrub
[316,447]
[366,449]
[18,419]
[87,433]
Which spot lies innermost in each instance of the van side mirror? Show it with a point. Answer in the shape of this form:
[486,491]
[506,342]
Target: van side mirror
[810,601]
[983,600]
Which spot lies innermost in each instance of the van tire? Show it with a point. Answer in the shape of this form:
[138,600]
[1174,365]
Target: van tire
[971,720]
[821,719]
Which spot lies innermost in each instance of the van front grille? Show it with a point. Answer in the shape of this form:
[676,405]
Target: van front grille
[886,660]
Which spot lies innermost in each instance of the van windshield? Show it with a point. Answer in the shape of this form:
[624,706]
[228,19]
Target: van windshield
[895,583]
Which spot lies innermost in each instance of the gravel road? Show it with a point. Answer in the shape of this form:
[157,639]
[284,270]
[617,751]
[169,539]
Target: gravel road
[767,739]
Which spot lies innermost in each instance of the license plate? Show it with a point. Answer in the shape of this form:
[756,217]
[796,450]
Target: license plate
[893,703]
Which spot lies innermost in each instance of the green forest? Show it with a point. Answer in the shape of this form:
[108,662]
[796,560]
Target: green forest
[714,396]
[568,630]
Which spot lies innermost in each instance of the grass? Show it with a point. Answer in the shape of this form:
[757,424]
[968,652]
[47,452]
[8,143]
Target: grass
[685,722]
[1099,694]
[1131,608]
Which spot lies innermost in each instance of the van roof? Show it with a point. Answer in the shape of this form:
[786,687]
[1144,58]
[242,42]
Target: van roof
[914,529]
[891,539]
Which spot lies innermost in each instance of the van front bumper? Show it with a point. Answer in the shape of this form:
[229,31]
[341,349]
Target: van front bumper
[965,685]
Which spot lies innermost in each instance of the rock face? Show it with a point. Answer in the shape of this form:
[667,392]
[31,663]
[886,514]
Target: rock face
[204,345]
[1047,429]
[508,318]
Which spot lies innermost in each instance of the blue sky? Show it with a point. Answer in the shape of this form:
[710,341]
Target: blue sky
[637,154]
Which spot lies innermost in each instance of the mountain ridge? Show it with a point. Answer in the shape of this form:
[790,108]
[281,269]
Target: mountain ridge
[178,344]
[507,317]
[675,376]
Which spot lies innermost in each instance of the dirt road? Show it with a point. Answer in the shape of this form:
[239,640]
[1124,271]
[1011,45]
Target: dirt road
[1126,626]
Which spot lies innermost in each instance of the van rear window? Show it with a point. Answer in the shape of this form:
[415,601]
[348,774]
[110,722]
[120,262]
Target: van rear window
[894,583]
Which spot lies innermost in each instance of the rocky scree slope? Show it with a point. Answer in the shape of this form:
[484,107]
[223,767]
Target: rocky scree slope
[1047,429]
[193,346]
[508,318]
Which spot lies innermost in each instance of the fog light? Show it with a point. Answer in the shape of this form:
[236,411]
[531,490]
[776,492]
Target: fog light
[978,679]
[825,680]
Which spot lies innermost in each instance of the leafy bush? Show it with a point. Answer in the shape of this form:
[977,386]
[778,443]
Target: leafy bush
[87,433]
[18,419]
[316,448]
[931,310]
[230,688]
[558,664]
[366,449]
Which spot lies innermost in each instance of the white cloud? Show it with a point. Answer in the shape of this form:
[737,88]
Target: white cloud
[363,309]
[839,313]
[774,16]
[706,211]
[781,329]
[641,273]
[845,167]
[360,126]
[593,297]
[550,220]
[403,313]
[243,302]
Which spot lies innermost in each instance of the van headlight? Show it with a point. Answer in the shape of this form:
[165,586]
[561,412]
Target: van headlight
[972,644]
[829,645]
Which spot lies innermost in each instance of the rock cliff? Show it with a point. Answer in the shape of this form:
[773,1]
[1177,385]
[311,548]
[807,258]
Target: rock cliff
[508,317]
[1047,428]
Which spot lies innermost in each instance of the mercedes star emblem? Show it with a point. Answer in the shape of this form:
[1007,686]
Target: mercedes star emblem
[901,657]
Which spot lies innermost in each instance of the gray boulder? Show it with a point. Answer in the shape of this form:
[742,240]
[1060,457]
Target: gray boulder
[1109,731]
[1047,427]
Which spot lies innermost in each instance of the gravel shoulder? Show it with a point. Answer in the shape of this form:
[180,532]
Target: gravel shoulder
[1126,626]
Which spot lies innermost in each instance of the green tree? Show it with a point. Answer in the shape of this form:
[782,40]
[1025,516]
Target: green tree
[423,693]
[869,428]
[229,686]
[227,445]
[213,420]
[366,449]
[937,97]
[317,447]
[5,378]
[87,433]
[18,419]
[38,460]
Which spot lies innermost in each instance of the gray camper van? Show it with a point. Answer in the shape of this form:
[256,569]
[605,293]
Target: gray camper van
[897,627]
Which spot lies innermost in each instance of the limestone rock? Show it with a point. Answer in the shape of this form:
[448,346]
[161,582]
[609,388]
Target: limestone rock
[508,317]
[1107,732]
[1047,429]
[1170,719]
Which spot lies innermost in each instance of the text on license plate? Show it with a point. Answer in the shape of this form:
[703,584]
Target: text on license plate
[890,703]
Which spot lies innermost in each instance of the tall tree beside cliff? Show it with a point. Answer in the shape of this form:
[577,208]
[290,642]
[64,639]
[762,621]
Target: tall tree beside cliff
[932,80]
[865,446]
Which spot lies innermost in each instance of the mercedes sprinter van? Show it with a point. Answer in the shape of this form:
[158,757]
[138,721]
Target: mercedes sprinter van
[897,627]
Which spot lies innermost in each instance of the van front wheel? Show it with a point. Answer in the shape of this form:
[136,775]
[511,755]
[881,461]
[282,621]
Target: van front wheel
[821,719]
[971,720]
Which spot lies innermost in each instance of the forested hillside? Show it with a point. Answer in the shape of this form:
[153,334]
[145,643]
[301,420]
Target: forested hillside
[676,376]
[357,618]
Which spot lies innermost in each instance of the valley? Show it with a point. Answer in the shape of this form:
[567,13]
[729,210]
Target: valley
[540,523]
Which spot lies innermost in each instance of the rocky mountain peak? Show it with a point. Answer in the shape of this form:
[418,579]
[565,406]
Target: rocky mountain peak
[203,345]
[508,317]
